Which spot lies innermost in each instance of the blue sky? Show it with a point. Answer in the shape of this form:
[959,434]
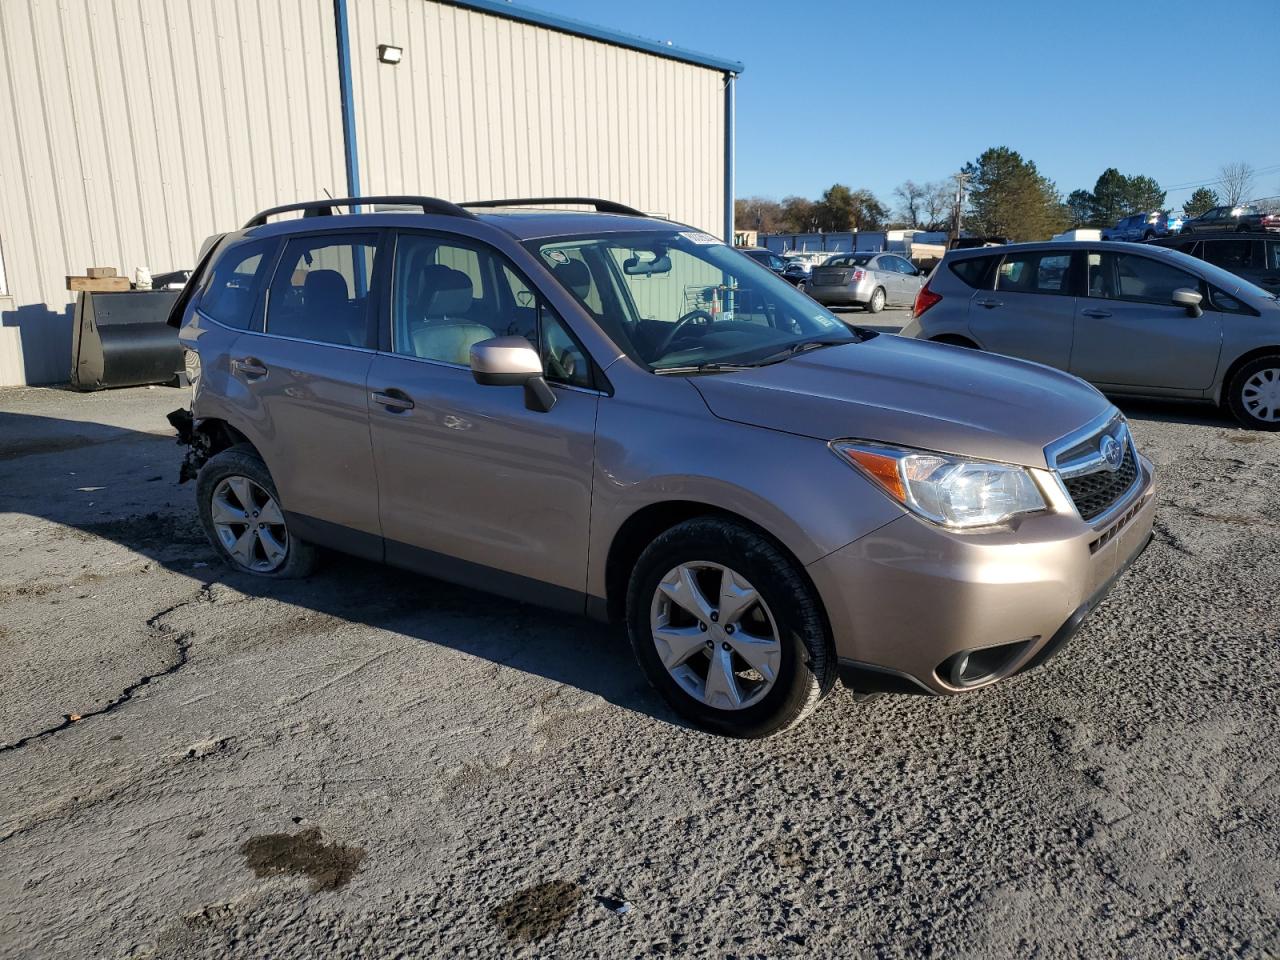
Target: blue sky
[871,94]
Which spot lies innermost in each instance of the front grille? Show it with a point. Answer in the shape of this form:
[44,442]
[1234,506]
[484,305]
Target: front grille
[1093,493]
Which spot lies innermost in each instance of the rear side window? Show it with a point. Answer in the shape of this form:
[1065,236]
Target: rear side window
[1035,273]
[1273,255]
[974,271]
[320,290]
[233,287]
[1230,254]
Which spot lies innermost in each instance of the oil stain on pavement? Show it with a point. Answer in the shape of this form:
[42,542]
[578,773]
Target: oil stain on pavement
[537,911]
[329,865]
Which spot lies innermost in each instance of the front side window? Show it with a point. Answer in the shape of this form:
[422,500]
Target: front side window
[1124,276]
[233,286]
[321,289]
[678,299]
[1034,272]
[1273,255]
[450,294]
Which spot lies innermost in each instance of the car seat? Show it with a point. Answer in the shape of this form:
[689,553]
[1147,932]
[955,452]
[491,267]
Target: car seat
[445,332]
[330,315]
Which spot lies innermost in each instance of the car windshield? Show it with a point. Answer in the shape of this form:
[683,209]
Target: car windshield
[681,300]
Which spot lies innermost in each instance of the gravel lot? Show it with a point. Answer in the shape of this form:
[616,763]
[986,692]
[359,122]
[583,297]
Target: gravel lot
[195,764]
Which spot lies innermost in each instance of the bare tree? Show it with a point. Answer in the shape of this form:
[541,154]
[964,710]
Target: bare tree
[1237,182]
[938,199]
[911,197]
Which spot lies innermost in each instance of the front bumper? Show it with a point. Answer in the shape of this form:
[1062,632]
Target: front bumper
[910,601]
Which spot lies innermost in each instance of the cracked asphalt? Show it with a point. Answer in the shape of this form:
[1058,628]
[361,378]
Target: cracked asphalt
[368,763]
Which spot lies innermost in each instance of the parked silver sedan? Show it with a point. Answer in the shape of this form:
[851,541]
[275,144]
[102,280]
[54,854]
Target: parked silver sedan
[868,280]
[1129,318]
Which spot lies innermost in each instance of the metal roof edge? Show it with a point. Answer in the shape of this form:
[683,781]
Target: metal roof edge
[510,11]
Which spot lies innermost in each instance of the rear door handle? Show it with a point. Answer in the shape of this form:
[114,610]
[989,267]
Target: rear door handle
[1098,314]
[251,367]
[394,400]
[989,303]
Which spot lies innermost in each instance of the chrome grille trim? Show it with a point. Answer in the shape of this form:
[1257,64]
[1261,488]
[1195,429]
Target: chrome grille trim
[1078,455]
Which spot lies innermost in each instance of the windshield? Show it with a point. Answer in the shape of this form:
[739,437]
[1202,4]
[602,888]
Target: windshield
[675,300]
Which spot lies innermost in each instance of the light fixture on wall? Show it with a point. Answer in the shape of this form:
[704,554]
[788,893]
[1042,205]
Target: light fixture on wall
[389,54]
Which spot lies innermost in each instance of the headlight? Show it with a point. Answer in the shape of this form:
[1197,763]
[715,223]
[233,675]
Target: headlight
[191,367]
[943,489]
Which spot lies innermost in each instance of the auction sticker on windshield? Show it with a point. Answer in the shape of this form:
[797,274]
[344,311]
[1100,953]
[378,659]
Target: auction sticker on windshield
[702,239]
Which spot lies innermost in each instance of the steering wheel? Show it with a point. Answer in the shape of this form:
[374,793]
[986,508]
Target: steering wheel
[689,318]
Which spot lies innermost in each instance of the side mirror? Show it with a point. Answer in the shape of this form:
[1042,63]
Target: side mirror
[512,362]
[1189,299]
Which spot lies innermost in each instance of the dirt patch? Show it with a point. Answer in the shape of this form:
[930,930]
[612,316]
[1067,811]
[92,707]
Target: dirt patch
[537,911]
[329,865]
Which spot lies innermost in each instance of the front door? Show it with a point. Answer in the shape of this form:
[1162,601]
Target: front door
[475,487]
[1031,312]
[305,399]
[1129,333]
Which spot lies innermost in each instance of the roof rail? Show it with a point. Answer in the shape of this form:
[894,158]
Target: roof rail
[602,206]
[325,208]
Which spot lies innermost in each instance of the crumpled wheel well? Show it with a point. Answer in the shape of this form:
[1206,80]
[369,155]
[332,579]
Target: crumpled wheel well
[203,439]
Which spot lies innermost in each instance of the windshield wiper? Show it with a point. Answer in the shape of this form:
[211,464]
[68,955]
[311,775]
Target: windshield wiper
[803,346]
[708,367]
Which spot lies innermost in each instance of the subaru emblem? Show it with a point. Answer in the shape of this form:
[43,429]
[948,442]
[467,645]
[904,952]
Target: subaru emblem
[1112,452]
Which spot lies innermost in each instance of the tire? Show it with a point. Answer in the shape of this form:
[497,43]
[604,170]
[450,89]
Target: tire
[224,483]
[876,303]
[804,661]
[1148,236]
[1255,389]
[802,286]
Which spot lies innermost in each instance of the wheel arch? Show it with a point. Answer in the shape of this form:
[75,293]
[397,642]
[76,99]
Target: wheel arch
[646,524]
[1237,363]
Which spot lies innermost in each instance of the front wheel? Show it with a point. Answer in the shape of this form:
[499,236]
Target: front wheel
[1253,395]
[242,517]
[876,303]
[728,629]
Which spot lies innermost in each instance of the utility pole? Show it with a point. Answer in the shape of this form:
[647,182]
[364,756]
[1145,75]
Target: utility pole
[957,212]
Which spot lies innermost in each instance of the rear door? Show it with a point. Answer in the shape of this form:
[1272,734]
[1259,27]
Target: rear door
[1130,334]
[300,379]
[1241,255]
[1270,277]
[475,487]
[1030,313]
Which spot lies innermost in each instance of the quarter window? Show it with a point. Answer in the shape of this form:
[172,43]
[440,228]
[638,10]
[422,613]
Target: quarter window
[321,289]
[1273,255]
[1035,273]
[233,287]
[974,271]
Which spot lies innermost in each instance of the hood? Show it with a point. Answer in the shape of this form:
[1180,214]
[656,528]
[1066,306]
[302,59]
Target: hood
[912,393]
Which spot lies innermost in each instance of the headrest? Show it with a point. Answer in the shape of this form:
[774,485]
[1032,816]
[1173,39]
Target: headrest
[324,288]
[575,276]
[447,292]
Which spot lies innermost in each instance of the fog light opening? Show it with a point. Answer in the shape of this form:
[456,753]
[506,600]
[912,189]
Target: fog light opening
[969,668]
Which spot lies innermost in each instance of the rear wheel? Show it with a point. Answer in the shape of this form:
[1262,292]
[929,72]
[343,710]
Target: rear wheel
[1253,395]
[876,303]
[728,629]
[242,517]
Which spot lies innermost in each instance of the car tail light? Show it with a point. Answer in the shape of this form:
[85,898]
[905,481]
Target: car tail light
[857,276]
[925,299]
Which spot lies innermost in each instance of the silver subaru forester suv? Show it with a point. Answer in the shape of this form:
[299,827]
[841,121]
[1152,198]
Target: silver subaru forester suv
[616,415]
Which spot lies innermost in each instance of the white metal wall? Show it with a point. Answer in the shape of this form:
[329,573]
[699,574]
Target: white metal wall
[483,107]
[131,130]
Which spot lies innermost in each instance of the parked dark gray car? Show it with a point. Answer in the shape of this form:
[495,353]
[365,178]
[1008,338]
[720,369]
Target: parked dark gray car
[1253,256]
[1240,219]
[1130,318]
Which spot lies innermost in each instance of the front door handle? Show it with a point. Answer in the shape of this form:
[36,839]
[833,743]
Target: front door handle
[394,400]
[250,367]
[989,303]
[1097,314]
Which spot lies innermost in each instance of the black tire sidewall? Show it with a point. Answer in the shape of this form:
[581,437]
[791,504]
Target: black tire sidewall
[243,461]
[807,669]
[1235,400]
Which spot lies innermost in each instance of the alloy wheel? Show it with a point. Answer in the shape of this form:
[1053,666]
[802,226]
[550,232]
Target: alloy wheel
[715,635]
[249,524]
[1260,395]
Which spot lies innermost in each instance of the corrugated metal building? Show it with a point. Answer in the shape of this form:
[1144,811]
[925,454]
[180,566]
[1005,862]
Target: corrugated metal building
[140,127]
